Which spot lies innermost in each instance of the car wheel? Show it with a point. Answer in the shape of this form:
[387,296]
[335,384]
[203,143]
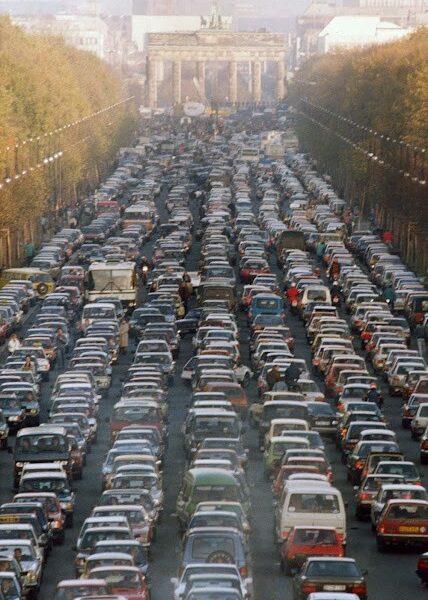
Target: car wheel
[246,380]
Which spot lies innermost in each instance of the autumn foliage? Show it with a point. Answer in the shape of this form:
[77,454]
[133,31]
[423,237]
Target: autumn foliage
[45,85]
[383,92]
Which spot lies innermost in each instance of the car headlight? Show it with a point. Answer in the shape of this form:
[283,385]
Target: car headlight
[334,422]
[66,505]
[34,411]
[57,525]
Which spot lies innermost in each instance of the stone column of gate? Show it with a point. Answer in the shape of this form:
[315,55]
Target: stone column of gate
[280,80]
[152,83]
[233,81]
[176,81]
[200,76]
[160,70]
[257,81]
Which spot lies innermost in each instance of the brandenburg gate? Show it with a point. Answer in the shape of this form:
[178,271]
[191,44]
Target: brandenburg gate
[214,45]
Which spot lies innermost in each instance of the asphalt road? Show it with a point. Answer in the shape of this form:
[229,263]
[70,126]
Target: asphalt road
[391,576]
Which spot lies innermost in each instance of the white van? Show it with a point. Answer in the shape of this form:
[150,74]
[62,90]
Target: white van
[314,504]
[317,293]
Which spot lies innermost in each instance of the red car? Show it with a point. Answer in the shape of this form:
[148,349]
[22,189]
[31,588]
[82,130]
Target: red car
[306,541]
[126,582]
[251,267]
[422,568]
[403,523]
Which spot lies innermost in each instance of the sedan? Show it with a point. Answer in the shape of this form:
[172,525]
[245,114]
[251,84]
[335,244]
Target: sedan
[329,575]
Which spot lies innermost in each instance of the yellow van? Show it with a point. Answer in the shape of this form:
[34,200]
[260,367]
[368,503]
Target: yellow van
[43,282]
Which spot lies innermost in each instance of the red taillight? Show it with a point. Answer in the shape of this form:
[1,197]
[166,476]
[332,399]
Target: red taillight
[381,529]
[359,464]
[365,335]
[425,445]
[243,571]
[365,496]
[358,589]
[309,588]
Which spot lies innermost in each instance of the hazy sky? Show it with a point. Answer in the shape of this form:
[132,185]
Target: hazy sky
[281,7]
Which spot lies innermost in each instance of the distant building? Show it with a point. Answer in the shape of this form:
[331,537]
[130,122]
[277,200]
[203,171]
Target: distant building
[348,32]
[81,31]
[403,13]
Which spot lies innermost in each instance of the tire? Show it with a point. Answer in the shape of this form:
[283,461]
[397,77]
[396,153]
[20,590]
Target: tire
[246,380]
[42,289]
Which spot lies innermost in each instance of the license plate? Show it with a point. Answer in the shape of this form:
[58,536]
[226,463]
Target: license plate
[323,422]
[334,588]
[408,529]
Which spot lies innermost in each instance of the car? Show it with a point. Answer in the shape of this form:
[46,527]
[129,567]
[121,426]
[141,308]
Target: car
[389,491]
[329,574]
[422,568]
[332,596]
[210,569]
[126,581]
[304,541]
[216,545]
[402,523]
[75,588]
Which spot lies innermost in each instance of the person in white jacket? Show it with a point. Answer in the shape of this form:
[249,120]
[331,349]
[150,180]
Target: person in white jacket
[13,343]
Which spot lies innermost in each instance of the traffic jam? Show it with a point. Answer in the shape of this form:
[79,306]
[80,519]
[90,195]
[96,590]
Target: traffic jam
[221,336]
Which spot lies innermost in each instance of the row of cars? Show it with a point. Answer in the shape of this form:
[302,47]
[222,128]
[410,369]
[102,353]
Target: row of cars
[388,486]
[293,419]
[213,503]
[49,456]
[114,544]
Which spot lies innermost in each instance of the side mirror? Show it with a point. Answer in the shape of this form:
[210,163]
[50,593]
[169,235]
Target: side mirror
[365,572]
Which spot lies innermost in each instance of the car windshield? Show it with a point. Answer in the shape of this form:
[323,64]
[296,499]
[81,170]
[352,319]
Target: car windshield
[124,580]
[44,484]
[205,427]
[408,511]
[212,595]
[213,520]
[41,444]
[78,591]
[98,312]
[136,413]
[27,553]
[90,538]
[204,546]
[211,493]
[332,568]
[315,537]
[398,468]
[314,503]
[10,403]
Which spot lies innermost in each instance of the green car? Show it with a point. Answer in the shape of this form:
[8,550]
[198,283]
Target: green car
[209,485]
[276,447]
